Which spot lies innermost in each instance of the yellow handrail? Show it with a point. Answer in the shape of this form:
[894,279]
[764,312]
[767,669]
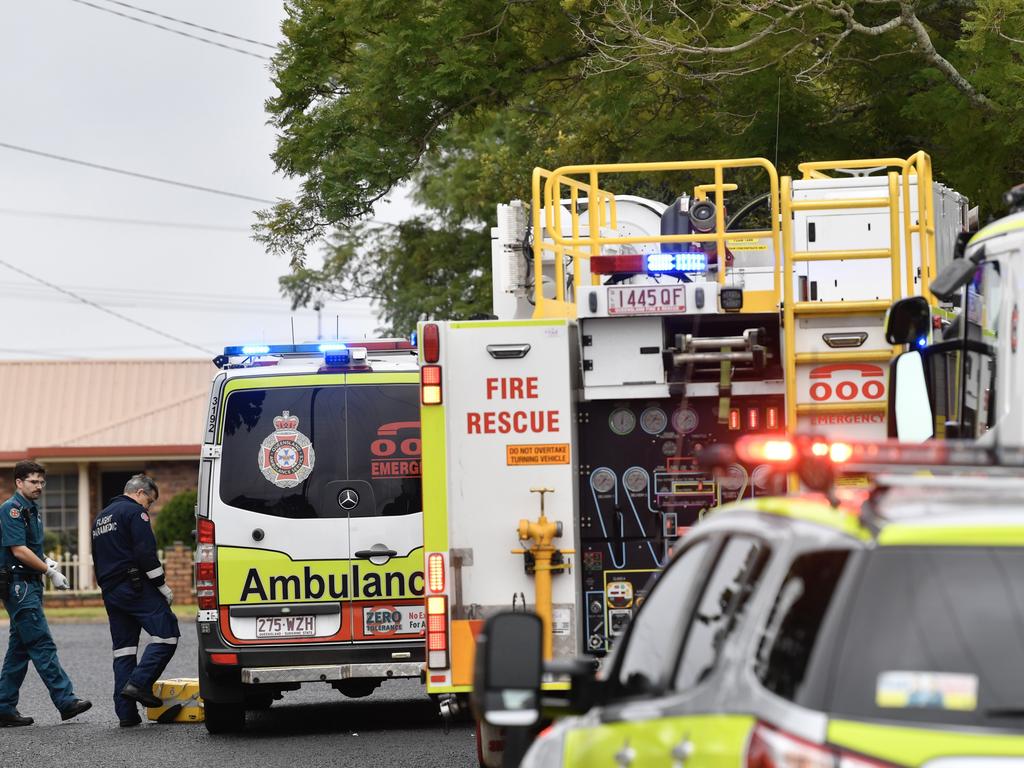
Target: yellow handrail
[548,212]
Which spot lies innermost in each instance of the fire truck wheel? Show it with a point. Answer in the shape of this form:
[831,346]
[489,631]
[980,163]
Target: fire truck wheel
[224,718]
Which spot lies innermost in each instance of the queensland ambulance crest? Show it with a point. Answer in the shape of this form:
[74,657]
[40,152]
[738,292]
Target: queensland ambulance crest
[286,456]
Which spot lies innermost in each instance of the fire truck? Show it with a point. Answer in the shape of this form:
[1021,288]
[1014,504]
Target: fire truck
[559,439]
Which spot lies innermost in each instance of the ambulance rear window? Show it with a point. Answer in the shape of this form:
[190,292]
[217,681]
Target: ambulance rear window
[295,451]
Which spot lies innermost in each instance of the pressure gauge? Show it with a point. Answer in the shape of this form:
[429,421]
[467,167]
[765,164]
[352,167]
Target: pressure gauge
[761,476]
[734,478]
[622,421]
[653,420]
[635,480]
[603,480]
[684,421]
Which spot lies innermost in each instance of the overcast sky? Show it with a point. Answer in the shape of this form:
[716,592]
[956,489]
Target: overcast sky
[86,84]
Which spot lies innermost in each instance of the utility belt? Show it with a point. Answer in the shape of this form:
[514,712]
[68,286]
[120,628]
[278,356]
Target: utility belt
[131,575]
[9,575]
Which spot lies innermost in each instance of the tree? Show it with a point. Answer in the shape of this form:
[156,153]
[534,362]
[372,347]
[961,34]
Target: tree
[176,520]
[465,99]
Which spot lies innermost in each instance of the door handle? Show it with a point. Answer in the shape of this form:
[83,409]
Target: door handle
[624,757]
[366,554]
[682,752]
[507,351]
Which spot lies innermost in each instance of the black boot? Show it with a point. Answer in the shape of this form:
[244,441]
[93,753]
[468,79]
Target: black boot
[145,698]
[14,720]
[77,707]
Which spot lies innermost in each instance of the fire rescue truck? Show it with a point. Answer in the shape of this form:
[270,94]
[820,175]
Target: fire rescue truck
[309,564]
[630,334]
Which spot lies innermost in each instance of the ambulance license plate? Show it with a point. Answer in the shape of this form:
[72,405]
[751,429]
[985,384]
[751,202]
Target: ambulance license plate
[646,299]
[285,626]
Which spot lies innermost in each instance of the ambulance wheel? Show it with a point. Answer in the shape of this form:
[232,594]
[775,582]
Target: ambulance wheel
[224,718]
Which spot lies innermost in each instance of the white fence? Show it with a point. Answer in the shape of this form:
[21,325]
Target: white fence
[69,567]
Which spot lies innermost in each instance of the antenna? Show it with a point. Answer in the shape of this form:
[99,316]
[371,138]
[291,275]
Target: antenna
[337,327]
[293,330]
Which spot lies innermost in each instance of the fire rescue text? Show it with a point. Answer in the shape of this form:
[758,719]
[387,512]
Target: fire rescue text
[505,422]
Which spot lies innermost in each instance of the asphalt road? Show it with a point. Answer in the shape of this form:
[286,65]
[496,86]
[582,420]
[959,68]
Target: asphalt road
[314,726]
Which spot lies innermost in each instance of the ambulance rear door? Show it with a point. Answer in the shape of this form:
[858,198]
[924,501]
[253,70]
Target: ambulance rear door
[384,502]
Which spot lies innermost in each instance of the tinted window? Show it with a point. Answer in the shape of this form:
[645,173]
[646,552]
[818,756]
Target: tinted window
[655,634]
[365,437]
[795,622]
[721,608]
[935,635]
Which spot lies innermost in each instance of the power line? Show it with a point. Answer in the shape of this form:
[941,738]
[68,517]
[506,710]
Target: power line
[134,174]
[111,220]
[169,29]
[101,308]
[190,24]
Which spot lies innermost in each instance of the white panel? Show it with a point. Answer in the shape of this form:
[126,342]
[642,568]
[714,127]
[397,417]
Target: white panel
[619,353]
[487,496]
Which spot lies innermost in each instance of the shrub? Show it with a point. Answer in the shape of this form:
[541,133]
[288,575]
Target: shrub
[176,520]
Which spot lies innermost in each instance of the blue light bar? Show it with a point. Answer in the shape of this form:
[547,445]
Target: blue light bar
[255,349]
[690,261]
[332,347]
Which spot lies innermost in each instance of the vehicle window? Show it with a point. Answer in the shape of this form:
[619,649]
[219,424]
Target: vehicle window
[654,635]
[795,621]
[384,445]
[934,635]
[733,580]
[286,448]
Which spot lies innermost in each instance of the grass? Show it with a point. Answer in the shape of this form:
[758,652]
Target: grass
[97,614]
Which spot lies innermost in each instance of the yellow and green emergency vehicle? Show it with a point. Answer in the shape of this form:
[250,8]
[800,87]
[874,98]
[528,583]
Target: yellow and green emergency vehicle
[877,627]
[309,563]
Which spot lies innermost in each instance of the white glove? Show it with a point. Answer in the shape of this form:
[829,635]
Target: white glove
[166,592]
[52,564]
[58,579]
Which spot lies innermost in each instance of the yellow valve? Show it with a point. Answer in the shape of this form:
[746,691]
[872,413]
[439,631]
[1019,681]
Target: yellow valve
[541,533]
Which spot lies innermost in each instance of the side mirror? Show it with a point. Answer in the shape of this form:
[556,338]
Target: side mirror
[956,275]
[509,662]
[910,414]
[908,321]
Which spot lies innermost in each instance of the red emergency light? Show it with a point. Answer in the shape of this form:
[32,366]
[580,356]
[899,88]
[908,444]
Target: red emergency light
[431,343]
[631,263]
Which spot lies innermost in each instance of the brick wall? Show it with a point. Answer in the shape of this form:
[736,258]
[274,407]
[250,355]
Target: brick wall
[172,477]
[178,573]
[6,483]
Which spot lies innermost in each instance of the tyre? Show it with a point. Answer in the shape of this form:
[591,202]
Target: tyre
[224,718]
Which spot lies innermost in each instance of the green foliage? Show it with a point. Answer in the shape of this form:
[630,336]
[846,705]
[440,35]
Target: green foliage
[176,520]
[464,99]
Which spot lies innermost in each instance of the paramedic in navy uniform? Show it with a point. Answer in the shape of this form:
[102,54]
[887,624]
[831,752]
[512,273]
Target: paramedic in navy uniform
[128,571]
[21,533]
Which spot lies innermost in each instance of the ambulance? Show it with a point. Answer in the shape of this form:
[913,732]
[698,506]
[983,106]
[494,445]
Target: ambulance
[560,439]
[309,564]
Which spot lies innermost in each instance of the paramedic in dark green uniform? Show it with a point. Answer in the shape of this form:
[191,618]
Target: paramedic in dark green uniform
[21,553]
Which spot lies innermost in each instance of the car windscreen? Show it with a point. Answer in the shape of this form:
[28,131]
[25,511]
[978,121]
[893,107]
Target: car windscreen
[294,451]
[934,635]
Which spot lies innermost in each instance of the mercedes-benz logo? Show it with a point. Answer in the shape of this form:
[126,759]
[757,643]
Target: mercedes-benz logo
[348,499]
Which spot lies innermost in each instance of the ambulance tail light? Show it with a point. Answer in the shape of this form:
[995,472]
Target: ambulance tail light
[771,418]
[205,532]
[435,572]
[229,659]
[437,632]
[206,566]
[430,385]
[431,343]
[771,748]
